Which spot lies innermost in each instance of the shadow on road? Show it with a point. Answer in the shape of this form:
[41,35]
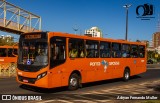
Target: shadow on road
[60,89]
[43,90]
[108,81]
[156,88]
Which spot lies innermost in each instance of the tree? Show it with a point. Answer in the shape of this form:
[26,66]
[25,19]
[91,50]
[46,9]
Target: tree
[6,41]
[152,55]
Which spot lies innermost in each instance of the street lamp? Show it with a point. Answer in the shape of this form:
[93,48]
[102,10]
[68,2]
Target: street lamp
[75,28]
[126,6]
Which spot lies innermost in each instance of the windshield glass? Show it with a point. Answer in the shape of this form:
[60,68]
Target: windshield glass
[33,53]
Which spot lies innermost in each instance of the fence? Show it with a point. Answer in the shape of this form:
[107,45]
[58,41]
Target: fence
[8,70]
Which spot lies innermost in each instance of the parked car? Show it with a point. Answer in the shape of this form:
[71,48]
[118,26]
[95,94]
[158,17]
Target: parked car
[149,61]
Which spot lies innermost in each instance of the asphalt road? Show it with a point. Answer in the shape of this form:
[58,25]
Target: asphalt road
[10,86]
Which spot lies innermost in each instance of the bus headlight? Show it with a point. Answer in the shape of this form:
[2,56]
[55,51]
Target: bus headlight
[41,75]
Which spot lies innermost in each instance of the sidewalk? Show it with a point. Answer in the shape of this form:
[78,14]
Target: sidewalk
[153,66]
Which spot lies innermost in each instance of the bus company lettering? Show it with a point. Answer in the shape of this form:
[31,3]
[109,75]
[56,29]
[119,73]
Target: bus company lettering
[95,63]
[113,63]
[99,63]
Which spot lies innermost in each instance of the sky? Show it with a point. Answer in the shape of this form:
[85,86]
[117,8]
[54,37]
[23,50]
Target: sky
[107,15]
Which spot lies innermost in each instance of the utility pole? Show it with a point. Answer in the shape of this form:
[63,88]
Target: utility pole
[126,6]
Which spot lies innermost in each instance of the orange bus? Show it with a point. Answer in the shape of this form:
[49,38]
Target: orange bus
[7,54]
[54,59]
[8,59]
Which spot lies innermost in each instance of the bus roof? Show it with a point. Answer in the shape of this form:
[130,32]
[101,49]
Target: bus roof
[63,34]
[93,38]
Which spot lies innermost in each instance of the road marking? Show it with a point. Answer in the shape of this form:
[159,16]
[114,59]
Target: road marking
[47,101]
[64,97]
[56,101]
[81,96]
[85,101]
[65,101]
[104,101]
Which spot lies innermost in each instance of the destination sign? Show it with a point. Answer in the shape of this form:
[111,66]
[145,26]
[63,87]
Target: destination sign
[33,36]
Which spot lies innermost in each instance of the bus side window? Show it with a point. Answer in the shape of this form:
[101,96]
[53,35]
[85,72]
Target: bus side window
[15,52]
[61,52]
[134,51]
[105,50]
[116,50]
[76,48]
[3,52]
[10,52]
[125,50]
[57,51]
[92,49]
[54,51]
[141,51]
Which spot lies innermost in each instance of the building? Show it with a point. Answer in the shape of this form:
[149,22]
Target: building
[150,43]
[94,32]
[156,39]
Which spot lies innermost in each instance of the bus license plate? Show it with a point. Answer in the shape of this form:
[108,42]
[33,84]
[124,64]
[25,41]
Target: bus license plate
[24,80]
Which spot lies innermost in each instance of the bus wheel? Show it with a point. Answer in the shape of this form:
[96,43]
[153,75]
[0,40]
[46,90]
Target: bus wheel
[73,82]
[126,75]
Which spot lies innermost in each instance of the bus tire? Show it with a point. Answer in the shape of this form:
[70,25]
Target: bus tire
[73,82]
[126,75]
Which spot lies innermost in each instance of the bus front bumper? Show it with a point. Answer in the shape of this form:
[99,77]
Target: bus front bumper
[40,80]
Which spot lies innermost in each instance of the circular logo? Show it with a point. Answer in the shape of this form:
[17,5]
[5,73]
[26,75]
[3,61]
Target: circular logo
[140,10]
[144,10]
[28,62]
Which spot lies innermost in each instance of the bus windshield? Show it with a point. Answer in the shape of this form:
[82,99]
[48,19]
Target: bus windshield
[33,53]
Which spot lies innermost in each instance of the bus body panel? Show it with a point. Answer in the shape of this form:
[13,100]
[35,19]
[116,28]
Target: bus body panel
[94,73]
[56,77]
[8,59]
